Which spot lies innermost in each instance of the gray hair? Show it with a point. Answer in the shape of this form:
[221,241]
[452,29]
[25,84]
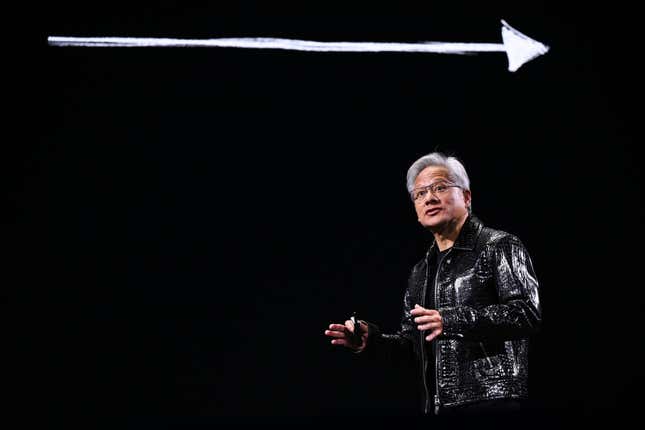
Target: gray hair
[456,171]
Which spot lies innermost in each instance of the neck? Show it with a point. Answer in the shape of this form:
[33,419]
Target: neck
[446,234]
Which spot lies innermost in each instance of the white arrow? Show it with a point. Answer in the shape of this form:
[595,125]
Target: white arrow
[519,48]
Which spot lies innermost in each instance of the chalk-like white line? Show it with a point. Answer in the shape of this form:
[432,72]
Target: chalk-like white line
[518,47]
[288,44]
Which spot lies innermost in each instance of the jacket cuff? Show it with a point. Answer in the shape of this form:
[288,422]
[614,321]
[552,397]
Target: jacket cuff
[455,321]
[374,339]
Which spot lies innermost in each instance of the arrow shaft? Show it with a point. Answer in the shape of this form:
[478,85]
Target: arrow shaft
[274,43]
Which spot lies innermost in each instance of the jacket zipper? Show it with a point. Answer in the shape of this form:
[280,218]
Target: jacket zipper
[481,344]
[424,363]
[437,402]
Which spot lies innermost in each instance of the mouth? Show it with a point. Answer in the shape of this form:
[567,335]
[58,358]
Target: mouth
[433,211]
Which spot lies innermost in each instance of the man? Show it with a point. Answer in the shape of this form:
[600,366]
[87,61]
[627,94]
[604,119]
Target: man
[470,306]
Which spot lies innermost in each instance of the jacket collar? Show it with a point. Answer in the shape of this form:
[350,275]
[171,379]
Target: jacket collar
[467,236]
[469,233]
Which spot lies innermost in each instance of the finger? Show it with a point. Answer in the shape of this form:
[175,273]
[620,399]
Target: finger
[337,327]
[422,319]
[434,334]
[427,318]
[429,326]
[349,326]
[418,310]
[423,311]
[334,333]
[346,343]
[363,326]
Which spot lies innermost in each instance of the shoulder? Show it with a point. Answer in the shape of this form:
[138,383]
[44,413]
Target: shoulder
[495,239]
[419,266]
[418,271]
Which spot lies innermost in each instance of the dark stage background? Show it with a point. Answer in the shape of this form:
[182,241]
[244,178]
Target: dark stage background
[188,221]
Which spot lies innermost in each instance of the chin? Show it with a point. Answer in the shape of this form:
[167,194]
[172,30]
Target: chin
[433,223]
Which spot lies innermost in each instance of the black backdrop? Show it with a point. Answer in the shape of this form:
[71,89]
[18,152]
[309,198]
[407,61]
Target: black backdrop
[188,221]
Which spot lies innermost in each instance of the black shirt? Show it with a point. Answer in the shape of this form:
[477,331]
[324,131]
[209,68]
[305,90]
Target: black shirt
[434,262]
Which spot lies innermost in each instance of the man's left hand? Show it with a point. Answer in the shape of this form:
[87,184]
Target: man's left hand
[428,319]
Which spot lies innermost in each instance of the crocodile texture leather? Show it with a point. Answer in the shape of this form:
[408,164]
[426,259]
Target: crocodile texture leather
[487,295]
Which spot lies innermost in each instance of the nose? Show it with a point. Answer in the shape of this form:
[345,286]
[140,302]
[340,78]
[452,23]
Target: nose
[430,198]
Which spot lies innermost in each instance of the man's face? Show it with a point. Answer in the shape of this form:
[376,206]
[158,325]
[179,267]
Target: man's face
[435,210]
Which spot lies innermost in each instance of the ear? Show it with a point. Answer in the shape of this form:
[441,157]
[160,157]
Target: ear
[467,198]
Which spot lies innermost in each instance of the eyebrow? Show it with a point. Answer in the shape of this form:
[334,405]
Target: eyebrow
[432,183]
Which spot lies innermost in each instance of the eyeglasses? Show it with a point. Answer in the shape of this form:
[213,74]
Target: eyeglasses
[437,189]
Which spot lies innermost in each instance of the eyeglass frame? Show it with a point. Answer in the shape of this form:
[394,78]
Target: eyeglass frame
[432,189]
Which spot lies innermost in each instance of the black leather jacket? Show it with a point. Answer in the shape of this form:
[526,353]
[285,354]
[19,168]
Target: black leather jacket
[487,295]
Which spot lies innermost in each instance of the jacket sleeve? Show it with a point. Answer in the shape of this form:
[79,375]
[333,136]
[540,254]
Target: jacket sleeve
[395,347]
[518,313]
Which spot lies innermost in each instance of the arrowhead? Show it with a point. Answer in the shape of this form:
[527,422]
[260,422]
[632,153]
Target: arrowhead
[520,49]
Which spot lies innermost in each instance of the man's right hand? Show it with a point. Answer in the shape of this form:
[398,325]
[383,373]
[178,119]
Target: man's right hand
[343,335]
